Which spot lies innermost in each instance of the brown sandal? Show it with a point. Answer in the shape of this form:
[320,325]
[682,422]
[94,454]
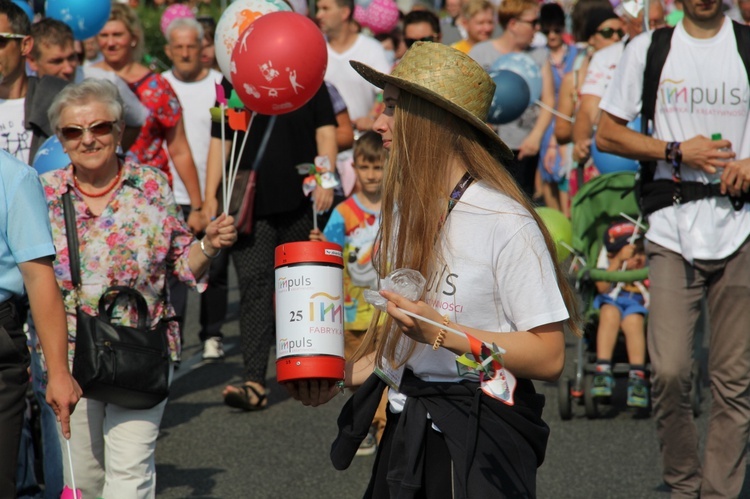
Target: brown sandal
[241,398]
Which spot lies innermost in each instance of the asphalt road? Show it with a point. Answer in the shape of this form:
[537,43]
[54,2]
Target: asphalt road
[207,449]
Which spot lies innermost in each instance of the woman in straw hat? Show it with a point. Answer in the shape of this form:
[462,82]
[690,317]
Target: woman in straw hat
[452,211]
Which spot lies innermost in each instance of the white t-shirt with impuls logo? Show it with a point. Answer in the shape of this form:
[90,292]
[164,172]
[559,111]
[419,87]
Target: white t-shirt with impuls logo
[497,276]
[703,90]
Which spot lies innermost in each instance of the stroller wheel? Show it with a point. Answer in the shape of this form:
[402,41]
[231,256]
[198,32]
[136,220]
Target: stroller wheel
[589,402]
[564,402]
[695,389]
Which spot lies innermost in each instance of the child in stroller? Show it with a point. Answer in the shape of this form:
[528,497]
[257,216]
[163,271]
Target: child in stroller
[622,306]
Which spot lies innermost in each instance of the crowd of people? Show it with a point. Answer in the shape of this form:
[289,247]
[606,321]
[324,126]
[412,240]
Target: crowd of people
[423,183]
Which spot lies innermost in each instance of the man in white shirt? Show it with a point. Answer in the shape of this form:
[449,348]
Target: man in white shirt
[697,245]
[195,86]
[345,44]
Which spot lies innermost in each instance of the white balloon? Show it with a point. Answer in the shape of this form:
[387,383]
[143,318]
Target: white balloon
[237,18]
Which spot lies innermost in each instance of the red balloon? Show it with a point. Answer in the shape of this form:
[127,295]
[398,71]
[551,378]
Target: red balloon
[279,62]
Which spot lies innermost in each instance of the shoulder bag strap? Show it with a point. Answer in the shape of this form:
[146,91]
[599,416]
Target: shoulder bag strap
[263,143]
[71,232]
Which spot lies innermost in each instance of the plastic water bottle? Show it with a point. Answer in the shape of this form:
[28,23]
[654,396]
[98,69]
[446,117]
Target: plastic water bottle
[717,136]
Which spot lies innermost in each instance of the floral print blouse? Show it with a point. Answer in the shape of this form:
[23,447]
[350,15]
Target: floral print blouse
[138,240]
[165,112]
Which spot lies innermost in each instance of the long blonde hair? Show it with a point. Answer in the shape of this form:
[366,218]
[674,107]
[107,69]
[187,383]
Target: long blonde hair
[426,140]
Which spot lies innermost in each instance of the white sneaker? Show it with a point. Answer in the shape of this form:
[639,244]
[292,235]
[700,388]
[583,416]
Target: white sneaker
[369,445]
[213,349]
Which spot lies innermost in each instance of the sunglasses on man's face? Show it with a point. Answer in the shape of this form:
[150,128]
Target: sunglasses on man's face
[411,41]
[610,32]
[97,130]
[5,38]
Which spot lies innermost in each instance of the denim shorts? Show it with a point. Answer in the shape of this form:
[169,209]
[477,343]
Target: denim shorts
[627,303]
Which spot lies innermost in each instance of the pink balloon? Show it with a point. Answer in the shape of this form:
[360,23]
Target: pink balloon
[381,16]
[67,493]
[174,11]
[279,62]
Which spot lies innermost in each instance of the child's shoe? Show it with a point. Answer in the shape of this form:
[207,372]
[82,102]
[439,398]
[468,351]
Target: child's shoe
[603,384]
[637,392]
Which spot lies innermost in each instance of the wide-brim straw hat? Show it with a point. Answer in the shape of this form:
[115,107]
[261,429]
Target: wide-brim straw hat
[448,78]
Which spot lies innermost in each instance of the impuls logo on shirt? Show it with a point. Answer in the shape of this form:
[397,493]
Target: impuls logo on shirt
[676,96]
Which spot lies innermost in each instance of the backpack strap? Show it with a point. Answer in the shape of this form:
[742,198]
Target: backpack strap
[661,42]
[742,35]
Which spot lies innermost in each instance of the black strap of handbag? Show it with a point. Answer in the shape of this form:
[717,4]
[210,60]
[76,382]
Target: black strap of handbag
[71,233]
[263,143]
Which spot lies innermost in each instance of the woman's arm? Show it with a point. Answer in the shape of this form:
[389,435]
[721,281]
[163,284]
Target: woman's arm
[565,106]
[530,145]
[315,392]
[535,354]
[325,140]
[220,233]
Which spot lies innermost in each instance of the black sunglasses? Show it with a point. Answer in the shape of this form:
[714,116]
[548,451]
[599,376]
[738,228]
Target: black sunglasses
[557,31]
[411,41]
[5,38]
[97,130]
[609,32]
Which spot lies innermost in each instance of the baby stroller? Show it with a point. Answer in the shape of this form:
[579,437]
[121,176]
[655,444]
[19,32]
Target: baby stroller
[599,202]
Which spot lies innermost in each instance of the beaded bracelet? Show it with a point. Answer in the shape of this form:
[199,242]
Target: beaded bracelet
[441,334]
[673,156]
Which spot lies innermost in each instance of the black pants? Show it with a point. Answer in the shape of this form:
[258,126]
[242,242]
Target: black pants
[524,171]
[213,299]
[253,257]
[14,379]
[438,472]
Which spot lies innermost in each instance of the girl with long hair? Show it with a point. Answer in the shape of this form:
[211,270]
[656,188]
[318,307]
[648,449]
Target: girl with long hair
[452,211]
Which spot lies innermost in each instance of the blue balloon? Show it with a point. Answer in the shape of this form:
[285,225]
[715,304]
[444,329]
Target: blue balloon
[610,163]
[50,156]
[26,8]
[511,97]
[85,17]
[525,66]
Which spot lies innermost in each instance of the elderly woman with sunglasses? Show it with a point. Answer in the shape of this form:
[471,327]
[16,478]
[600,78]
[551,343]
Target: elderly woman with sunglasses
[131,233]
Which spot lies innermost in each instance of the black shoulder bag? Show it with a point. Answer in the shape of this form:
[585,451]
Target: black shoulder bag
[121,365]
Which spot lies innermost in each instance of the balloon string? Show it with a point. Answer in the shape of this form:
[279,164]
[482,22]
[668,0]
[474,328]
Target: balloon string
[439,325]
[554,111]
[242,148]
[72,474]
[223,163]
[232,166]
